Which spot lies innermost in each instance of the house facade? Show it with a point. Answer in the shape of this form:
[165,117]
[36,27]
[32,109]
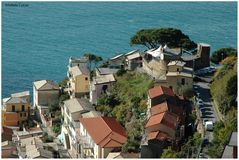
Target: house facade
[100,85]
[45,93]
[15,111]
[73,109]
[79,78]
[133,60]
[201,59]
[179,77]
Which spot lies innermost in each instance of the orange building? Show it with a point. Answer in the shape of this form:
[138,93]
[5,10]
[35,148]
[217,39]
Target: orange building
[15,111]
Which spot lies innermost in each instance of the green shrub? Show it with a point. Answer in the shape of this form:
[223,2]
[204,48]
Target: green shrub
[47,138]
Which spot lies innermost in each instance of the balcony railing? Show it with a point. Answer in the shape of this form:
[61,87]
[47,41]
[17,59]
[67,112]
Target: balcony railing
[85,142]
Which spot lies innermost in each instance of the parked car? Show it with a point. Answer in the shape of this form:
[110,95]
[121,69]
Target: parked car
[209,126]
[201,155]
[199,102]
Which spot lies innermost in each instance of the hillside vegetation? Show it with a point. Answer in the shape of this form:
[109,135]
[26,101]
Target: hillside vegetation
[127,101]
[224,93]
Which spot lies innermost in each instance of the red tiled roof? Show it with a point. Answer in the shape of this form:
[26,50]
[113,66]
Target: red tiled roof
[155,119]
[160,90]
[166,118]
[158,135]
[105,131]
[162,107]
[166,106]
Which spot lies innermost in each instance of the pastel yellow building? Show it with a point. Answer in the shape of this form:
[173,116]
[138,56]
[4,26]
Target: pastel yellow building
[79,78]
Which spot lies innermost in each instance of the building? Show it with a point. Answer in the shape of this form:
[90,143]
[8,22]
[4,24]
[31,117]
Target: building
[33,147]
[33,132]
[166,118]
[158,94]
[199,60]
[9,150]
[45,93]
[155,60]
[79,78]
[117,61]
[100,85]
[99,136]
[7,134]
[24,94]
[162,126]
[121,155]
[230,150]
[15,111]
[72,111]
[133,60]
[83,61]
[178,77]
[105,71]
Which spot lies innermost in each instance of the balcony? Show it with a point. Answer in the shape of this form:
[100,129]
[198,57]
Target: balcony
[85,142]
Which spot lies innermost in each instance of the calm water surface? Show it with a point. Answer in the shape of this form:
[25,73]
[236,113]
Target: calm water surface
[38,38]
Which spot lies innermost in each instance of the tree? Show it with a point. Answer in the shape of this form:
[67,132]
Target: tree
[54,107]
[63,83]
[93,59]
[168,153]
[152,38]
[56,128]
[222,53]
[47,138]
[134,133]
[63,97]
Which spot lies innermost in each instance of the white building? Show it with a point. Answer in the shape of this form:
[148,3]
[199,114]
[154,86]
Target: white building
[45,93]
[133,60]
[73,109]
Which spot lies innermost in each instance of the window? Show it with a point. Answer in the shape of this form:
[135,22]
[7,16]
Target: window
[177,69]
[86,78]
[183,81]
[13,108]
[20,114]
[23,108]
[25,114]
[104,88]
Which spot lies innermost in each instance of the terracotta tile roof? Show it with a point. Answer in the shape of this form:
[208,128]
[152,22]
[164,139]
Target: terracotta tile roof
[166,106]
[162,107]
[160,90]
[155,119]
[158,135]
[105,131]
[165,118]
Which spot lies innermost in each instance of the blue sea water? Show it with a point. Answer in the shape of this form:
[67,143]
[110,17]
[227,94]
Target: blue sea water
[38,38]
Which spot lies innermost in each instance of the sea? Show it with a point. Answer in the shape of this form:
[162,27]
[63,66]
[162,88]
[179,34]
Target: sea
[39,37]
